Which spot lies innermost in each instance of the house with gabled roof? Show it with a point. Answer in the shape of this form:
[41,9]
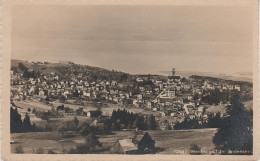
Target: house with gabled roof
[146,144]
[124,146]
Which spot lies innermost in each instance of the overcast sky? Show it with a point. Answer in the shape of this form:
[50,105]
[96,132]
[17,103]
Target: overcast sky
[136,39]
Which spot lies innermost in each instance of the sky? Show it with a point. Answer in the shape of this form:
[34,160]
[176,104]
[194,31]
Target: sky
[136,39]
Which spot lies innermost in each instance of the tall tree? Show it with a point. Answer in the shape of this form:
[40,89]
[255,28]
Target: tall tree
[85,129]
[27,122]
[91,144]
[235,132]
[153,122]
[76,121]
[15,121]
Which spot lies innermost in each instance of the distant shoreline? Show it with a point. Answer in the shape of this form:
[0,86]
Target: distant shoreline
[243,76]
[239,76]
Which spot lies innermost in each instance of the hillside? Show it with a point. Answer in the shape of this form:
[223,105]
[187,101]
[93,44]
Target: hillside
[43,68]
[70,70]
[90,73]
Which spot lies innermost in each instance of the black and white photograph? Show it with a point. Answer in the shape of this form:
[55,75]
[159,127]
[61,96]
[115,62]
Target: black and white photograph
[132,80]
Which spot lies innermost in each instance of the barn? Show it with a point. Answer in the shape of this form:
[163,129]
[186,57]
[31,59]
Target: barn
[124,146]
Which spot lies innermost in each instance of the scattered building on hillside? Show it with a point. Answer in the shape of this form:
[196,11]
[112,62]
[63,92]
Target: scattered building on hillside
[174,78]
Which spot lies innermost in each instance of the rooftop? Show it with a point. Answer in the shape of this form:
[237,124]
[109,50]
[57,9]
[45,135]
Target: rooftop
[127,144]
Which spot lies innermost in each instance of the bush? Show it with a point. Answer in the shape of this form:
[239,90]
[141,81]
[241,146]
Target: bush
[34,110]
[19,150]
[61,129]
[195,149]
[51,152]
[62,99]
[39,151]
[72,151]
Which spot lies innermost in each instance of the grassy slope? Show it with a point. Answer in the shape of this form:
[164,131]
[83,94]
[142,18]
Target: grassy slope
[170,140]
[43,68]
[46,140]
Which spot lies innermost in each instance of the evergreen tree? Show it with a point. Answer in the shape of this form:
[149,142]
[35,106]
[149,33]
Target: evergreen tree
[147,122]
[34,110]
[91,143]
[15,121]
[85,129]
[139,123]
[153,122]
[27,123]
[235,132]
[76,121]
[214,121]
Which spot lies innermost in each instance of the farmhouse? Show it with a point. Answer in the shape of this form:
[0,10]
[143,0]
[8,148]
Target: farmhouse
[124,146]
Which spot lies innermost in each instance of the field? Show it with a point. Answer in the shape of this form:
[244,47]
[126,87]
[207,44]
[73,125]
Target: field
[24,105]
[45,140]
[170,140]
[217,108]
[167,141]
[55,123]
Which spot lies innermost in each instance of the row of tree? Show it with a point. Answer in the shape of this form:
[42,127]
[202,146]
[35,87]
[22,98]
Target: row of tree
[213,79]
[18,125]
[123,119]
[212,122]
[216,96]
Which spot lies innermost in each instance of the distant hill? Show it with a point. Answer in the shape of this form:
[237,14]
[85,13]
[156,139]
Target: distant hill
[66,69]
[70,70]
[43,68]
[220,79]
[90,73]
[240,76]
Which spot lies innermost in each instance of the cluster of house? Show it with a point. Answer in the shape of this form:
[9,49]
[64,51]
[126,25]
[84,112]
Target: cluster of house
[172,97]
[175,98]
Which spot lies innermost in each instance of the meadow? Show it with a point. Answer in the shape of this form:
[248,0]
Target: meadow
[168,142]
[107,111]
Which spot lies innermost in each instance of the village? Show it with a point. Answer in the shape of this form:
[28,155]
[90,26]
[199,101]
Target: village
[171,99]
[134,79]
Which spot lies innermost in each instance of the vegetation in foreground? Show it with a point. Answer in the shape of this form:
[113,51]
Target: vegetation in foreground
[234,134]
